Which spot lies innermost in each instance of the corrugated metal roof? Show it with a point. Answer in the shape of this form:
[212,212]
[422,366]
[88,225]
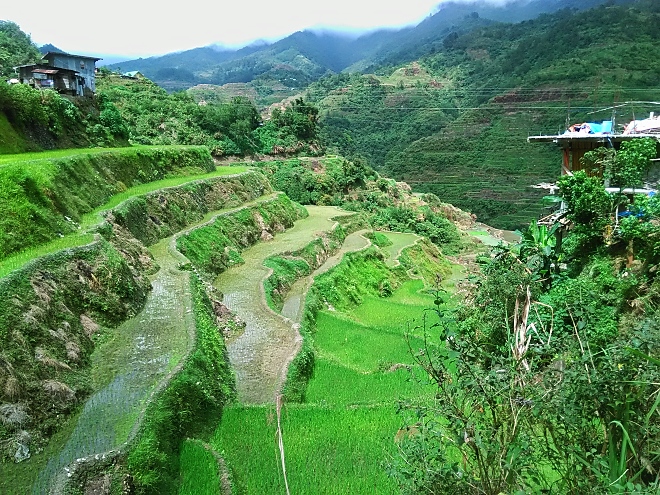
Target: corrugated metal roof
[95,59]
[45,71]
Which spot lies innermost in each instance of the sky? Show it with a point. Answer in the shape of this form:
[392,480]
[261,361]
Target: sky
[140,28]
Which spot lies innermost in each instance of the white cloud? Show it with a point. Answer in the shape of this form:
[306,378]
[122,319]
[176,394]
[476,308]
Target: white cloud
[148,27]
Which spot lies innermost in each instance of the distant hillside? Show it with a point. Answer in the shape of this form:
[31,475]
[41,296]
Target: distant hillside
[303,57]
[50,48]
[456,122]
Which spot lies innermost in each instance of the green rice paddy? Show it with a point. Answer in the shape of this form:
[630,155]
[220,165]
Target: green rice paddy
[199,470]
[341,439]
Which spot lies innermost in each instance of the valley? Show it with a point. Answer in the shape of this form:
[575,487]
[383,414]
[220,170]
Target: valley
[327,264]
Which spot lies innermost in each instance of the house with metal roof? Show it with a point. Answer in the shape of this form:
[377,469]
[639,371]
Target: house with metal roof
[578,139]
[64,72]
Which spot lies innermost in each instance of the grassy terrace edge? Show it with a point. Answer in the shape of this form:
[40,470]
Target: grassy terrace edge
[44,196]
[199,195]
[93,219]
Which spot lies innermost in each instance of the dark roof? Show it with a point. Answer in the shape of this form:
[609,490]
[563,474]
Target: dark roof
[72,56]
[45,69]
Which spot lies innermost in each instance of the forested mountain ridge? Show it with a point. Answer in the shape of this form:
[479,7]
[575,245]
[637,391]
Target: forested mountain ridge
[456,122]
[304,56]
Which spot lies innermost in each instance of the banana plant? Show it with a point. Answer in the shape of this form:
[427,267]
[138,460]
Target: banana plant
[538,249]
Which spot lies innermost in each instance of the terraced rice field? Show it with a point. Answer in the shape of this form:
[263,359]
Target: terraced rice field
[340,440]
[260,354]
[128,368]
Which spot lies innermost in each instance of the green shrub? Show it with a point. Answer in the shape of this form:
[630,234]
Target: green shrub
[189,406]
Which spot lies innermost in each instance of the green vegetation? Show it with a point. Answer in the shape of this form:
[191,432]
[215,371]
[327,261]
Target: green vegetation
[43,196]
[217,245]
[384,203]
[43,119]
[163,212]
[455,123]
[231,127]
[190,405]
[16,48]
[48,313]
[291,266]
[92,219]
[199,470]
[547,376]
[338,440]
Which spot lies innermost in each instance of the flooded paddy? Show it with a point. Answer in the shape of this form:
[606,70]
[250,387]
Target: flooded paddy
[130,366]
[259,356]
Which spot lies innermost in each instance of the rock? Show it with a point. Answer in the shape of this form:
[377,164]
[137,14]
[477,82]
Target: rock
[22,448]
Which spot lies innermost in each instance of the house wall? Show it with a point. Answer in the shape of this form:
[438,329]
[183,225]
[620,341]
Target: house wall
[85,66]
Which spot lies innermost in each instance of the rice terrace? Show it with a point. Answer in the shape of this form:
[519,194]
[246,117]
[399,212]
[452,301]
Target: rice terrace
[311,300]
[413,259]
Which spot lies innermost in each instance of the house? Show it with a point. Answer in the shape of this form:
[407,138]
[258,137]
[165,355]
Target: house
[133,74]
[587,136]
[581,138]
[66,73]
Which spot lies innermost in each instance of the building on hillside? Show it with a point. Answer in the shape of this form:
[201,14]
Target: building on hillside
[66,73]
[133,74]
[581,138]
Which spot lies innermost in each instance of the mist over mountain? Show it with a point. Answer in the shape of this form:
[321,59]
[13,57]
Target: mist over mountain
[304,56]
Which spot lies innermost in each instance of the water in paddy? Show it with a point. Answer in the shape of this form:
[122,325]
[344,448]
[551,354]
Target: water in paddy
[400,241]
[143,352]
[259,356]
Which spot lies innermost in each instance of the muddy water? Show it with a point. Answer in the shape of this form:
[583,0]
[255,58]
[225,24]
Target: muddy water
[260,354]
[144,350]
[400,241]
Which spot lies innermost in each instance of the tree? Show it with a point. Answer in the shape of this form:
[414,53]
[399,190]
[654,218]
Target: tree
[16,48]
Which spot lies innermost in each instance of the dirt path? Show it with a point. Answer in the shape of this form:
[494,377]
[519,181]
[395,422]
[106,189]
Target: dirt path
[260,354]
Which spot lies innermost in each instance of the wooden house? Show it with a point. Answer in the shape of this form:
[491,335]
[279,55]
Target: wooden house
[581,138]
[66,73]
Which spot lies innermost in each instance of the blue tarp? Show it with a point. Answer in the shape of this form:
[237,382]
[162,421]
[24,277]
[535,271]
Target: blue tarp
[604,127]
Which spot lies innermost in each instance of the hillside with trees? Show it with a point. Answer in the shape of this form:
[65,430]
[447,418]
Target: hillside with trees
[456,122]
[165,316]
[304,56]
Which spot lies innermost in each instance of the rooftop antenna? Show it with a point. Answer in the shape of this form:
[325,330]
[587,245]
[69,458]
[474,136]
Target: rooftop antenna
[568,114]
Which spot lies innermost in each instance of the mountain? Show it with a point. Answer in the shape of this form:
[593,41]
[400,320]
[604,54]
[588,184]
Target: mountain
[50,48]
[304,56]
[455,122]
